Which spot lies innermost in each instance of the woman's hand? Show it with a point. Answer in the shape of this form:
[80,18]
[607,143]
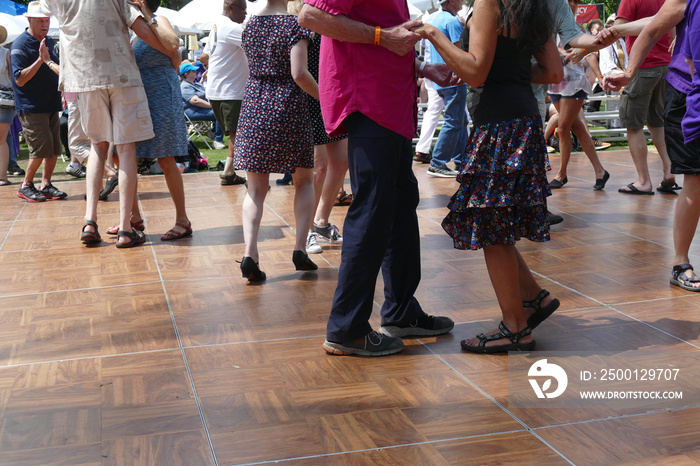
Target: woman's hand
[423,30]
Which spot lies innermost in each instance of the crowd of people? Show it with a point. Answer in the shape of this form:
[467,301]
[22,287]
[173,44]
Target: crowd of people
[302,89]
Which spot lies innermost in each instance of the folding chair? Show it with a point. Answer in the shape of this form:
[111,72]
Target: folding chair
[198,130]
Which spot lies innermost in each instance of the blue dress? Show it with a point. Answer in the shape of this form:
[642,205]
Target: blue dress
[162,88]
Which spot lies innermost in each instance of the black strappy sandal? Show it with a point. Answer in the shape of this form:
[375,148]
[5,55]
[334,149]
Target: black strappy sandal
[90,237]
[541,313]
[136,237]
[682,279]
[514,344]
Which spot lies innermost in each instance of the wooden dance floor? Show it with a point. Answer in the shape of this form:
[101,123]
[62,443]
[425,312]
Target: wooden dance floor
[164,355]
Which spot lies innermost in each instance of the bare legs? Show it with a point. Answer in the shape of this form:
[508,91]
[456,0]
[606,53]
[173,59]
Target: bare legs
[685,220]
[570,120]
[93,180]
[638,150]
[228,167]
[513,282]
[328,179]
[47,169]
[303,204]
[253,206]
[173,178]
[4,150]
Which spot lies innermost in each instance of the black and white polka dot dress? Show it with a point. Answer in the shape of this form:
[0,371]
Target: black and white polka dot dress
[320,135]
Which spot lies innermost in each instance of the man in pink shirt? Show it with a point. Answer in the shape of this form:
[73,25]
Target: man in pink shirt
[642,102]
[367,87]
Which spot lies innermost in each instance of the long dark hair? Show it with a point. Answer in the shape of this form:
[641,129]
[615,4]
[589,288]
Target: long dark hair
[533,19]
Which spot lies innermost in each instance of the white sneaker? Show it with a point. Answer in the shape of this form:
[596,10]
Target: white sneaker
[312,246]
[218,145]
[328,233]
[78,172]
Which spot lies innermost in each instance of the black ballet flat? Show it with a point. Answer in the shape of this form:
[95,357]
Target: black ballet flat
[556,184]
[251,271]
[600,182]
[302,262]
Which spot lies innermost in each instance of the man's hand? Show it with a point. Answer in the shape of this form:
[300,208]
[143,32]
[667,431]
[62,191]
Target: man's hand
[574,56]
[44,51]
[607,36]
[616,81]
[399,39]
[440,74]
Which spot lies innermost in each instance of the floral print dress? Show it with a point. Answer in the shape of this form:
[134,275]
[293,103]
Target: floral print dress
[274,130]
[503,189]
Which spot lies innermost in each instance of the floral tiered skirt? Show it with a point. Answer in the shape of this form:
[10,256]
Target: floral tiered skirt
[503,189]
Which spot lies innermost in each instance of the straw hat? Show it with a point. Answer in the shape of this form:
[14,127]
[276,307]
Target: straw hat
[34,11]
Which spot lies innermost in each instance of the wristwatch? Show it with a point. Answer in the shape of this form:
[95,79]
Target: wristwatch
[152,20]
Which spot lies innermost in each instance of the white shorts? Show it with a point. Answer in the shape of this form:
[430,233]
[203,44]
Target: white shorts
[119,115]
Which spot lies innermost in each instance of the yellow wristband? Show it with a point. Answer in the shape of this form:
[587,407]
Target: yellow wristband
[377,31]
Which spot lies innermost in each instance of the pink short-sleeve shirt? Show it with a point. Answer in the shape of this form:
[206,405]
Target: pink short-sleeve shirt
[367,78]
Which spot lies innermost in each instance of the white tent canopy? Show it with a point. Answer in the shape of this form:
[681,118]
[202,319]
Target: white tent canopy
[173,16]
[414,11]
[201,14]
[424,5]
[16,25]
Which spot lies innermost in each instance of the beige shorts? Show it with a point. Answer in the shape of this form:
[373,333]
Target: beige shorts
[41,133]
[118,115]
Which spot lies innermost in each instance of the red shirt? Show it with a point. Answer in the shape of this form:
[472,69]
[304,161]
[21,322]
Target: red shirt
[632,10]
[366,78]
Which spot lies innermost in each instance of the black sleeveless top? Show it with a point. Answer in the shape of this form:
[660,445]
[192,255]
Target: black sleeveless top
[507,93]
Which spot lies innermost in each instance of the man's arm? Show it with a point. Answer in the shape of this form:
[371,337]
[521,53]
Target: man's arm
[670,14]
[46,57]
[23,75]
[397,39]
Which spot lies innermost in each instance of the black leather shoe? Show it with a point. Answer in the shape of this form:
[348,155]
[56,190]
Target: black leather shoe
[285,180]
[110,185]
[556,184]
[421,157]
[302,262]
[251,271]
[554,218]
[600,182]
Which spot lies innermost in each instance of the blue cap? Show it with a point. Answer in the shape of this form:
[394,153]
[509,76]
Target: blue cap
[185,67]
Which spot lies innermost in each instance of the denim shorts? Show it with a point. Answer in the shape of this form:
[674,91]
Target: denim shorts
[557,97]
[7,115]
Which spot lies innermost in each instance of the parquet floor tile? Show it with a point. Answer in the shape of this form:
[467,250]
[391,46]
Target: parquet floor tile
[636,438]
[508,449]
[164,355]
[411,454]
